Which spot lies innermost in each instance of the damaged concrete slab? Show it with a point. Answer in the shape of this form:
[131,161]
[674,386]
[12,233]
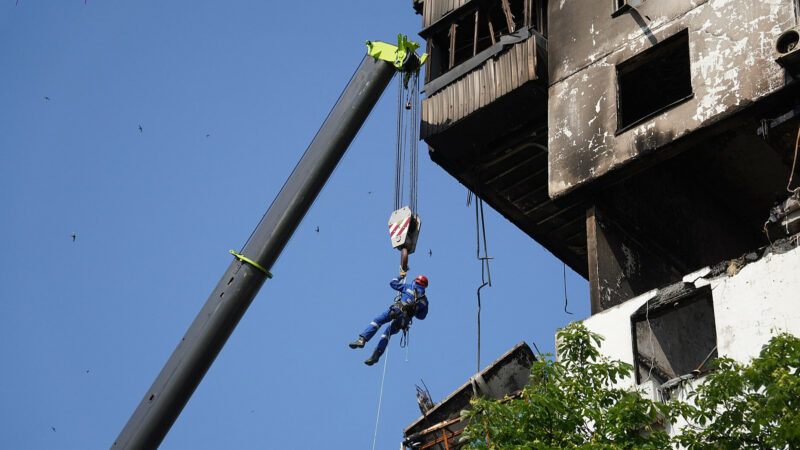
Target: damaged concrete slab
[441,426]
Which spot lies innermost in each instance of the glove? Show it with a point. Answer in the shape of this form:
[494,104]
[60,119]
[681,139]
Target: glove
[402,274]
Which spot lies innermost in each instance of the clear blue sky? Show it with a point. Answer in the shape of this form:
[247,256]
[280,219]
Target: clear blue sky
[86,326]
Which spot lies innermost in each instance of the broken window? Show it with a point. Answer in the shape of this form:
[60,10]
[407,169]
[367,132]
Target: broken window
[653,81]
[477,26]
[674,335]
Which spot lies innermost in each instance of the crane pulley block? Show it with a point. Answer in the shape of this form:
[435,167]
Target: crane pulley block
[404,229]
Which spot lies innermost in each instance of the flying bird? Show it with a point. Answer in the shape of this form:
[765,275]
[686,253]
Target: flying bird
[53,428]
[74,236]
[317,229]
[47,98]
[140,128]
[430,253]
[208,135]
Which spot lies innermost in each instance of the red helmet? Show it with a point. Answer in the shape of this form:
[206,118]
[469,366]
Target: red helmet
[421,280]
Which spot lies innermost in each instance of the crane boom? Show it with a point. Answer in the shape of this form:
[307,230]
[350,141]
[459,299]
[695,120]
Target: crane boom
[189,362]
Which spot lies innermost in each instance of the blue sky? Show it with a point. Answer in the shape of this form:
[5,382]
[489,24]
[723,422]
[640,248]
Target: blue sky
[86,326]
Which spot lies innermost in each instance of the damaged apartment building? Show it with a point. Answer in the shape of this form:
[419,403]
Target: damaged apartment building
[649,145]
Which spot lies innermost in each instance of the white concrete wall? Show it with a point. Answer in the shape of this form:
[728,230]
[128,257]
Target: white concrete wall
[750,307]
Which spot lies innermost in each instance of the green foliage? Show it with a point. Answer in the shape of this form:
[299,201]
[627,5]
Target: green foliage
[573,403]
[748,406]
[569,403]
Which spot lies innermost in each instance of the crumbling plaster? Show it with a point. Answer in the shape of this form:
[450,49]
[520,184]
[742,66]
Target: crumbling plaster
[756,303]
[732,65]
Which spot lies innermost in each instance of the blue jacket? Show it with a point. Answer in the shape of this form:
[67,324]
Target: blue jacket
[407,294]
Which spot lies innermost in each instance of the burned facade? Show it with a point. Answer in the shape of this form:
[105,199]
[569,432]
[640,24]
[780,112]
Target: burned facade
[638,141]
[661,116]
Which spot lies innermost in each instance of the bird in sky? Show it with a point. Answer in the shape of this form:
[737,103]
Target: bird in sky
[208,135]
[318,229]
[87,370]
[430,253]
[140,128]
[47,98]
[74,236]
[53,428]
[369,192]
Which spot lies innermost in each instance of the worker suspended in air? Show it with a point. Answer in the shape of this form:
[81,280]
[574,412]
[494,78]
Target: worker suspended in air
[411,302]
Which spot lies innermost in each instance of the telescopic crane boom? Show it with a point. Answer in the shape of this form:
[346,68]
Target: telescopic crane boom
[185,368]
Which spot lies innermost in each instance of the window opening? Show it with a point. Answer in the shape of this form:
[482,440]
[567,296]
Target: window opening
[477,28]
[674,336]
[464,39]
[653,81]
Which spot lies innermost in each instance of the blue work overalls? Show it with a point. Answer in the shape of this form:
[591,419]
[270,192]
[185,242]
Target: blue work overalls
[407,294]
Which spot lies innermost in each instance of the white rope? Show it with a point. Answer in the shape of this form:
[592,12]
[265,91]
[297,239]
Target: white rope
[380,398]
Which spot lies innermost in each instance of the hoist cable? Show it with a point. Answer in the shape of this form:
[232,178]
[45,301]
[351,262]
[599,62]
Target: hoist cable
[407,145]
[397,144]
[415,123]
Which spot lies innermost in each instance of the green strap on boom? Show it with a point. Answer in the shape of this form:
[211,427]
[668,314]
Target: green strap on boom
[396,54]
[243,258]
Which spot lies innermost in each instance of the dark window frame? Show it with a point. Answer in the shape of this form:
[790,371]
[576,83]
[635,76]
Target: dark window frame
[666,306]
[649,57]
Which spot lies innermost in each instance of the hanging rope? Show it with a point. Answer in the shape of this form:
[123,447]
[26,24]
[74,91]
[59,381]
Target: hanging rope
[380,398]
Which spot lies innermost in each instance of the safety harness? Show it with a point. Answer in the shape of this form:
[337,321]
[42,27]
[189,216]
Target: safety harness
[407,309]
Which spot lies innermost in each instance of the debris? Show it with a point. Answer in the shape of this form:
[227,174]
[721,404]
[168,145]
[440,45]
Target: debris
[784,218]
[734,266]
[424,400]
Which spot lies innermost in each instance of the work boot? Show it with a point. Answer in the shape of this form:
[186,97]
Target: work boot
[376,355]
[358,343]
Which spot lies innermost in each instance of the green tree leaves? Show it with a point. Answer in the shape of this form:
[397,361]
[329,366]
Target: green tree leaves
[574,403]
[748,406]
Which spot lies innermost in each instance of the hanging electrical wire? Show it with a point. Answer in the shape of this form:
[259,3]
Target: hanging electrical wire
[566,300]
[794,164]
[486,276]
